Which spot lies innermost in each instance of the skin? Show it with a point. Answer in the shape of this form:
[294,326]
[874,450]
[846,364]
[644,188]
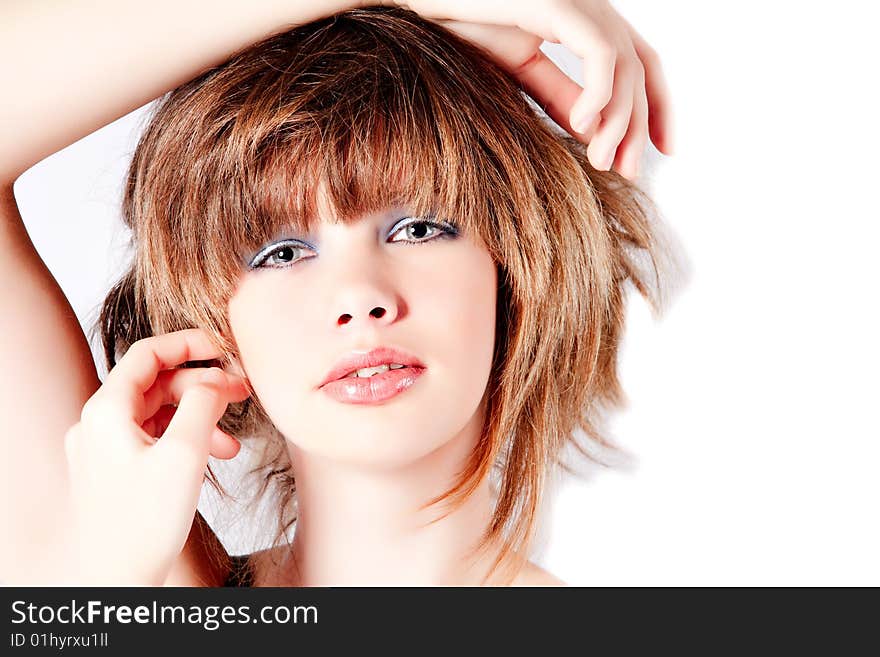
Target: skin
[362,471]
[140,59]
[625,101]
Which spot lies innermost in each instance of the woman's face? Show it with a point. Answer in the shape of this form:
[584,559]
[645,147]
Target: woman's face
[387,280]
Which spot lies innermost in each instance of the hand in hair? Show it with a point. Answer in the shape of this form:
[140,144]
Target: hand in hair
[133,496]
[625,99]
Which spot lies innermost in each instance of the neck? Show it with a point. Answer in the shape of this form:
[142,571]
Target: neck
[360,526]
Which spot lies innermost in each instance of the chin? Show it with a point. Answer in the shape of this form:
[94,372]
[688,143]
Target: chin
[373,441]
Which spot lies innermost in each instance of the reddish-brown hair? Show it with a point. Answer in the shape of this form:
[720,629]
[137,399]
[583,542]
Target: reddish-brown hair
[387,108]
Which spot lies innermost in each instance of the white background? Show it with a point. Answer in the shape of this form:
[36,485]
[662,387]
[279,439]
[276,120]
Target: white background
[752,402]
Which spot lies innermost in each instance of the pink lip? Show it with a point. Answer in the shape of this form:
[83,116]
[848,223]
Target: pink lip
[374,389]
[378,356]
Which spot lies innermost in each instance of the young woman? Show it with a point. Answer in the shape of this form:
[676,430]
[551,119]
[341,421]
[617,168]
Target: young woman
[273,201]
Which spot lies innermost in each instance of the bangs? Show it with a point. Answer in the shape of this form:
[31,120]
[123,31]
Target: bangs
[349,133]
[346,169]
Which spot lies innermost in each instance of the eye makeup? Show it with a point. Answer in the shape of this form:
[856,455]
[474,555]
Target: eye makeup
[281,246]
[289,248]
[446,228]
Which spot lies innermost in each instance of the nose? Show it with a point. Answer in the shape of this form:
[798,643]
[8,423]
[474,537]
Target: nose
[376,313]
[363,295]
[366,303]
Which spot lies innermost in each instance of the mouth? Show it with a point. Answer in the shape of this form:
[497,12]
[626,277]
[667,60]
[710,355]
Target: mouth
[378,387]
[375,376]
[371,363]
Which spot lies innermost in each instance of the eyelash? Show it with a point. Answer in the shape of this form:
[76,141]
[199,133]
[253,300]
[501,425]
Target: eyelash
[447,230]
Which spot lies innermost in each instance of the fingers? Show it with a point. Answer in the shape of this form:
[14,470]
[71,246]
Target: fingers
[629,152]
[624,101]
[162,402]
[143,391]
[223,446]
[622,82]
[599,70]
[169,386]
[615,120]
[660,121]
[610,88]
[186,443]
[137,370]
[590,41]
[554,91]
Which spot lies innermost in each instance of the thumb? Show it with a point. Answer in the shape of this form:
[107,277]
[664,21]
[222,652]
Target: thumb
[187,440]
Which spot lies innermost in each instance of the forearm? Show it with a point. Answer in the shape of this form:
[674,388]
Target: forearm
[73,66]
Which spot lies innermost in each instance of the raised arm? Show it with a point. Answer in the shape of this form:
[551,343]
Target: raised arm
[73,67]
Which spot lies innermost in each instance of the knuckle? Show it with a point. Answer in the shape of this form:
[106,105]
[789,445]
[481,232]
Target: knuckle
[614,127]
[629,68]
[142,346]
[604,51]
[560,7]
[137,346]
[649,56]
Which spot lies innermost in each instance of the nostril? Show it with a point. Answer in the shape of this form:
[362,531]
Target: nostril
[343,319]
[377,312]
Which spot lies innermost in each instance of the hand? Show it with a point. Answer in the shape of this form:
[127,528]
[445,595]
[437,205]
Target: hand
[625,99]
[134,496]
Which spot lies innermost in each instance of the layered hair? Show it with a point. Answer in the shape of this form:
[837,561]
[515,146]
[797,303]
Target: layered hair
[389,109]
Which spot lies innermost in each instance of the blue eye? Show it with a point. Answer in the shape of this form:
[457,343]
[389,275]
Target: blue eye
[415,230]
[280,255]
[419,230]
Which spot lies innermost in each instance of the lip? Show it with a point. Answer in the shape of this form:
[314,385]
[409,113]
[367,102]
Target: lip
[378,356]
[374,389]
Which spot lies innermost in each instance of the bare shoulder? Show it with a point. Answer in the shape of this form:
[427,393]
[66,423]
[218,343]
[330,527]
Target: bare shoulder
[533,575]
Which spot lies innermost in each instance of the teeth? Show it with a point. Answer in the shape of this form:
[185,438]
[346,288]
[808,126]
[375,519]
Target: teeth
[370,371]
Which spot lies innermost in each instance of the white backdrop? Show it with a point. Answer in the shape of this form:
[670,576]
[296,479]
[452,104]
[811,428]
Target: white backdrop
[752,401]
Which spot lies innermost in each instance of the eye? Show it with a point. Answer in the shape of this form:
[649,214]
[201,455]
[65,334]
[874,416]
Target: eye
[418,230]
[280,255]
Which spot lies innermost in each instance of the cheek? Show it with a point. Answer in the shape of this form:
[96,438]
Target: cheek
[268,328]
[462,314]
